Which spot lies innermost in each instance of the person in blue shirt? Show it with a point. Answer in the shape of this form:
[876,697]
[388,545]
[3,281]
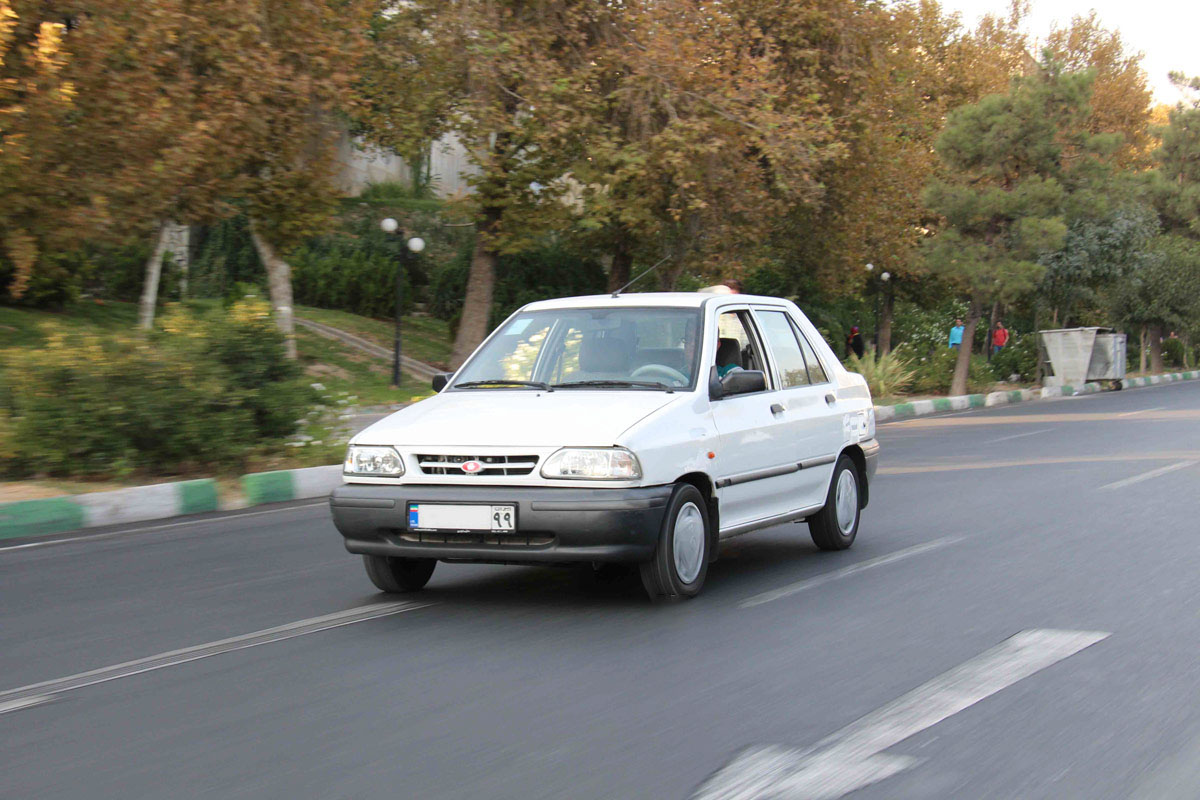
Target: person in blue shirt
[956,334]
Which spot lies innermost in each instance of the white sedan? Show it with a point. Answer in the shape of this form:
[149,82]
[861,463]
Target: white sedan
[639,428]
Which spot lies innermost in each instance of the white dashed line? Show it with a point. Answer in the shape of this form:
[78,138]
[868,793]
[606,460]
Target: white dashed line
[26,696]
[1017,436]
[853,757]
[809,583]
[1145,476]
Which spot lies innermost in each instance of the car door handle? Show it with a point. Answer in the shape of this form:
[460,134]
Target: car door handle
[776,408]
[830,399]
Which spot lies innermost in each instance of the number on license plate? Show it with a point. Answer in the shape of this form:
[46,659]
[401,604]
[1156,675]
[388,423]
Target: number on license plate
[443,516]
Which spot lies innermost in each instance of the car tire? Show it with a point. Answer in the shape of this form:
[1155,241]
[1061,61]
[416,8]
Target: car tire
[835,526]
[399,574]
[680,561]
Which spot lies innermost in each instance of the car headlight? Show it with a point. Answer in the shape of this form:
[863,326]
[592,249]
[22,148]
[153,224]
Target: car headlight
[383,462]
[593,463]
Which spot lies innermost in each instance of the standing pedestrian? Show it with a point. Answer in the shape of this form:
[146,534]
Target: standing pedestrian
[956,334]
[854,342]
[999,338]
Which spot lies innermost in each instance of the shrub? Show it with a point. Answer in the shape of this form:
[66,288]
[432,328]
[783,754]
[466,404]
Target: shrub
[202,392]
[1173,351]
[887,375]
[935,372]
[1018,357]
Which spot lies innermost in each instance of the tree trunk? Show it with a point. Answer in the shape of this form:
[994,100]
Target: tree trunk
[958,386]
[987,340]
[1156,349]
[178,245]
[885,322]
[1187,351]
[477,305]
[622,266]
[1142,351]
[279,287]
[150,285]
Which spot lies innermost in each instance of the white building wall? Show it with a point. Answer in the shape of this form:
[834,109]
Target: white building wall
[361,165]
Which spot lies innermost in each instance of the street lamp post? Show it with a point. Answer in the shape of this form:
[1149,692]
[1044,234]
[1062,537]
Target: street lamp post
[883,278]
[412,246]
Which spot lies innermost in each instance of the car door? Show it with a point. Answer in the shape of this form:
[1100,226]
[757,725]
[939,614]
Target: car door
[755,477]
[812,427]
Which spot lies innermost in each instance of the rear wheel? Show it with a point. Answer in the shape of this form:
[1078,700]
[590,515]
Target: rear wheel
[399,574]
[835,526]
[680,561]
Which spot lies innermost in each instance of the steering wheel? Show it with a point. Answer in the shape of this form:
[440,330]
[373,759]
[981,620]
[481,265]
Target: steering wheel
[653,371]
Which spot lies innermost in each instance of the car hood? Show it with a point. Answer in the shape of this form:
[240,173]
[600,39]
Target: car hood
[499,417]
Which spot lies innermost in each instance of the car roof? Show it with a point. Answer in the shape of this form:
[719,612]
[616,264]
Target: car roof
[657,299]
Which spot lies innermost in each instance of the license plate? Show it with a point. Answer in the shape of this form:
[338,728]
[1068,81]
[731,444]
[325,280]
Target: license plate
[445,517]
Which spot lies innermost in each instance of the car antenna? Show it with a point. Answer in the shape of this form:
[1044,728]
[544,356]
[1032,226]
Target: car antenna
[640,276]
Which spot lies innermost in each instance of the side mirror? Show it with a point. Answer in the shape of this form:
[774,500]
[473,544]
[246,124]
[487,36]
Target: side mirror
[744,381]
[716,390]
[441,379]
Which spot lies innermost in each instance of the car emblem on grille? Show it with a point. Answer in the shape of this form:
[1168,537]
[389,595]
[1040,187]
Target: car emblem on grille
[471,467]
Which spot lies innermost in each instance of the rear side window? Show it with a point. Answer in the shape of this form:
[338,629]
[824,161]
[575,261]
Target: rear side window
[816,373]
[785,347]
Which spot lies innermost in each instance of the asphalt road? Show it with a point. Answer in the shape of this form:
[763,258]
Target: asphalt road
[1074,518]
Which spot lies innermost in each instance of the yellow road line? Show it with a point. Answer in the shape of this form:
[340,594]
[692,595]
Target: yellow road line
[1173,455]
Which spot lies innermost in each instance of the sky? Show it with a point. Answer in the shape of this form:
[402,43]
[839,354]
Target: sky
[1165,31]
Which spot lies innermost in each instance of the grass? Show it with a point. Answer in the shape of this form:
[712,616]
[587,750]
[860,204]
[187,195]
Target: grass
[423,338]
[354,376]
[22,327]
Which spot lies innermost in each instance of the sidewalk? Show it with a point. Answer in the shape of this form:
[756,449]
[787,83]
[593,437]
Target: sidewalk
[31,518]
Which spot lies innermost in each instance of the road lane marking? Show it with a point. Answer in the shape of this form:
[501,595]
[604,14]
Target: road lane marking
[853,757]
[1142,411]
[948,421]
[130,531]
[951,466]
[18,698]
[1018,435]
[818,580]
[27,702]
[1145,476]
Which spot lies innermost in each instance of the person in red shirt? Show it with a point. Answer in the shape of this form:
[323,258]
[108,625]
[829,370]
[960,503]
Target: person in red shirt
[999,338]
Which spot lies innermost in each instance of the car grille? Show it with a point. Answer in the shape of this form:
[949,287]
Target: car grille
[431,464]
[481,538]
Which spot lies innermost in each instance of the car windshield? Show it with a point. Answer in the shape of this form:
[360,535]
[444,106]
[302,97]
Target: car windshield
[632,349]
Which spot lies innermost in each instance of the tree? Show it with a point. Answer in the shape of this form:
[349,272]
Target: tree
[1010,155]
[195,111]
[1120,99]
[491,74]
[701,125]
[36,99]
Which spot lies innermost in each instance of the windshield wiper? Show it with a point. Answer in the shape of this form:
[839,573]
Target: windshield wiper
[503,382]
[635,384]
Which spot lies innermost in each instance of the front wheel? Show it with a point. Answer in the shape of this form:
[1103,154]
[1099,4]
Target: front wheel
[391,574]
[835,526]
[680,561]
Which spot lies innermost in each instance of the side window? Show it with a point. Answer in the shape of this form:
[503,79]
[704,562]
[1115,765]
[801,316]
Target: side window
[785,348]
[736,347]
[816,372]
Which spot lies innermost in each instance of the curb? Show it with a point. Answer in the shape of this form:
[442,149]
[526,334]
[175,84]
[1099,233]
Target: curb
[28,518]
[921,408]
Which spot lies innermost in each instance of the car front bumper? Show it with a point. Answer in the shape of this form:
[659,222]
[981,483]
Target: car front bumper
[553,525]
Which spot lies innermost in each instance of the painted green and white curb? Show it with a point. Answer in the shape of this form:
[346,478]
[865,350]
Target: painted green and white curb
[137,504]
[920,408]
[290,484]
[160,501]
